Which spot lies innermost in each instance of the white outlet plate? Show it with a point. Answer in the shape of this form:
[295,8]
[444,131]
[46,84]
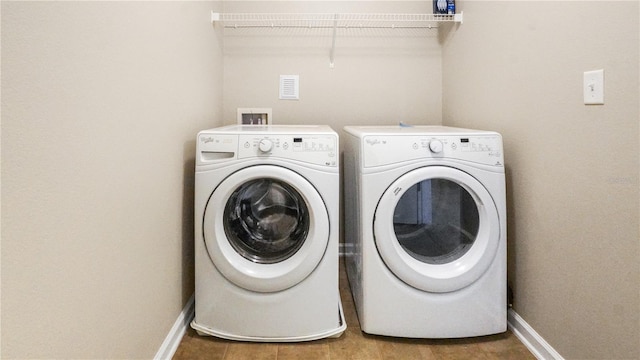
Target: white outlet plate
[594,87]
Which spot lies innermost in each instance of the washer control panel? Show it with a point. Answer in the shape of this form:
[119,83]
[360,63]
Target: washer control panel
[386,149]
[320,149]
[316,149]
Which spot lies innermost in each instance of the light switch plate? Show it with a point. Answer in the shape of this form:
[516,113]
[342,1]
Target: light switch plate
[594,87]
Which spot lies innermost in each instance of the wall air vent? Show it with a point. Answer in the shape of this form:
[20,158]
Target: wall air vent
[289,87]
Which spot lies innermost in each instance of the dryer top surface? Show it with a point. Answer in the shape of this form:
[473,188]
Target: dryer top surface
[361,131]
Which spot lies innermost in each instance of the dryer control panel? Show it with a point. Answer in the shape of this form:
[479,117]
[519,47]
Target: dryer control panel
[388,149]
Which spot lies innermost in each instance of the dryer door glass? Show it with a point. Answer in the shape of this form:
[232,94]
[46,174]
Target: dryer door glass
[436,221]
[266,220]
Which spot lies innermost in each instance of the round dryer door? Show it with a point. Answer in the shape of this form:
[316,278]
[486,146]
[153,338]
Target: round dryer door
[437,229]
[266,228]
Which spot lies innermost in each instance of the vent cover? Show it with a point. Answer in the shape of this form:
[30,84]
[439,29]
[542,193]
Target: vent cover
[289,87]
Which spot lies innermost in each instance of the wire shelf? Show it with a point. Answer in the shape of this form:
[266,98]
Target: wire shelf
[332,21]
[337,20]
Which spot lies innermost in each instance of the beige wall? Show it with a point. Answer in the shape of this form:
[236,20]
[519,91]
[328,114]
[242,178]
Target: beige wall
[101,102]
[380,76]
[517,67]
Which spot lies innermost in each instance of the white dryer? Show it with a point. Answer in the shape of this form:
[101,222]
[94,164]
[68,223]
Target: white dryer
[266,233]
[425,230]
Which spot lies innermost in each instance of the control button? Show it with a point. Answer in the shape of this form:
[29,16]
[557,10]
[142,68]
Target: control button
[454,146]
[285,146]
[265,145]
[435,146]
[415,146]
[246,145]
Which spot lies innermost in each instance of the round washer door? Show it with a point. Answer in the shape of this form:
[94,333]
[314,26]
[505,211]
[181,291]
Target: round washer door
[437,229]
[266,228]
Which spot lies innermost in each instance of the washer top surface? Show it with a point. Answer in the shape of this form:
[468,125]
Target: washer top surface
[361,131]
[273,129]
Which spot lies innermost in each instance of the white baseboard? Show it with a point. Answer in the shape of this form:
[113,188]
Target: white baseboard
[171,342]
[538,346]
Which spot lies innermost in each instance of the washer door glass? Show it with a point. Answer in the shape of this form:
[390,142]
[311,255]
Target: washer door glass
[437,228]
[266,220]
[436,221]
[266,228]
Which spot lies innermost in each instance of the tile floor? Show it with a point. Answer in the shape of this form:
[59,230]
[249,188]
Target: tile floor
[354,344]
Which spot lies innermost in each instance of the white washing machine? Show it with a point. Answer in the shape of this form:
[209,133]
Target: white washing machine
[266,233]
[425,230]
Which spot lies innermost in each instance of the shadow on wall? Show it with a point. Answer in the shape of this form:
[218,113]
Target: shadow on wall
[188,274]
[445,30]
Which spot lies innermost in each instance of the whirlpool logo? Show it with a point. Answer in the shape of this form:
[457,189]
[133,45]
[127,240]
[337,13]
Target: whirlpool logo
[374,141]
[206,140]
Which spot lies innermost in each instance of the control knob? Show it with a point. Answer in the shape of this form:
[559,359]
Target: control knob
[435,146]
[265,145]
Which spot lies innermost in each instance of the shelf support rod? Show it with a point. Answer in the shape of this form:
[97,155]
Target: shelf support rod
[333,42]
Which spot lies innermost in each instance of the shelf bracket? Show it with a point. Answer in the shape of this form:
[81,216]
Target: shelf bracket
[332,53]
